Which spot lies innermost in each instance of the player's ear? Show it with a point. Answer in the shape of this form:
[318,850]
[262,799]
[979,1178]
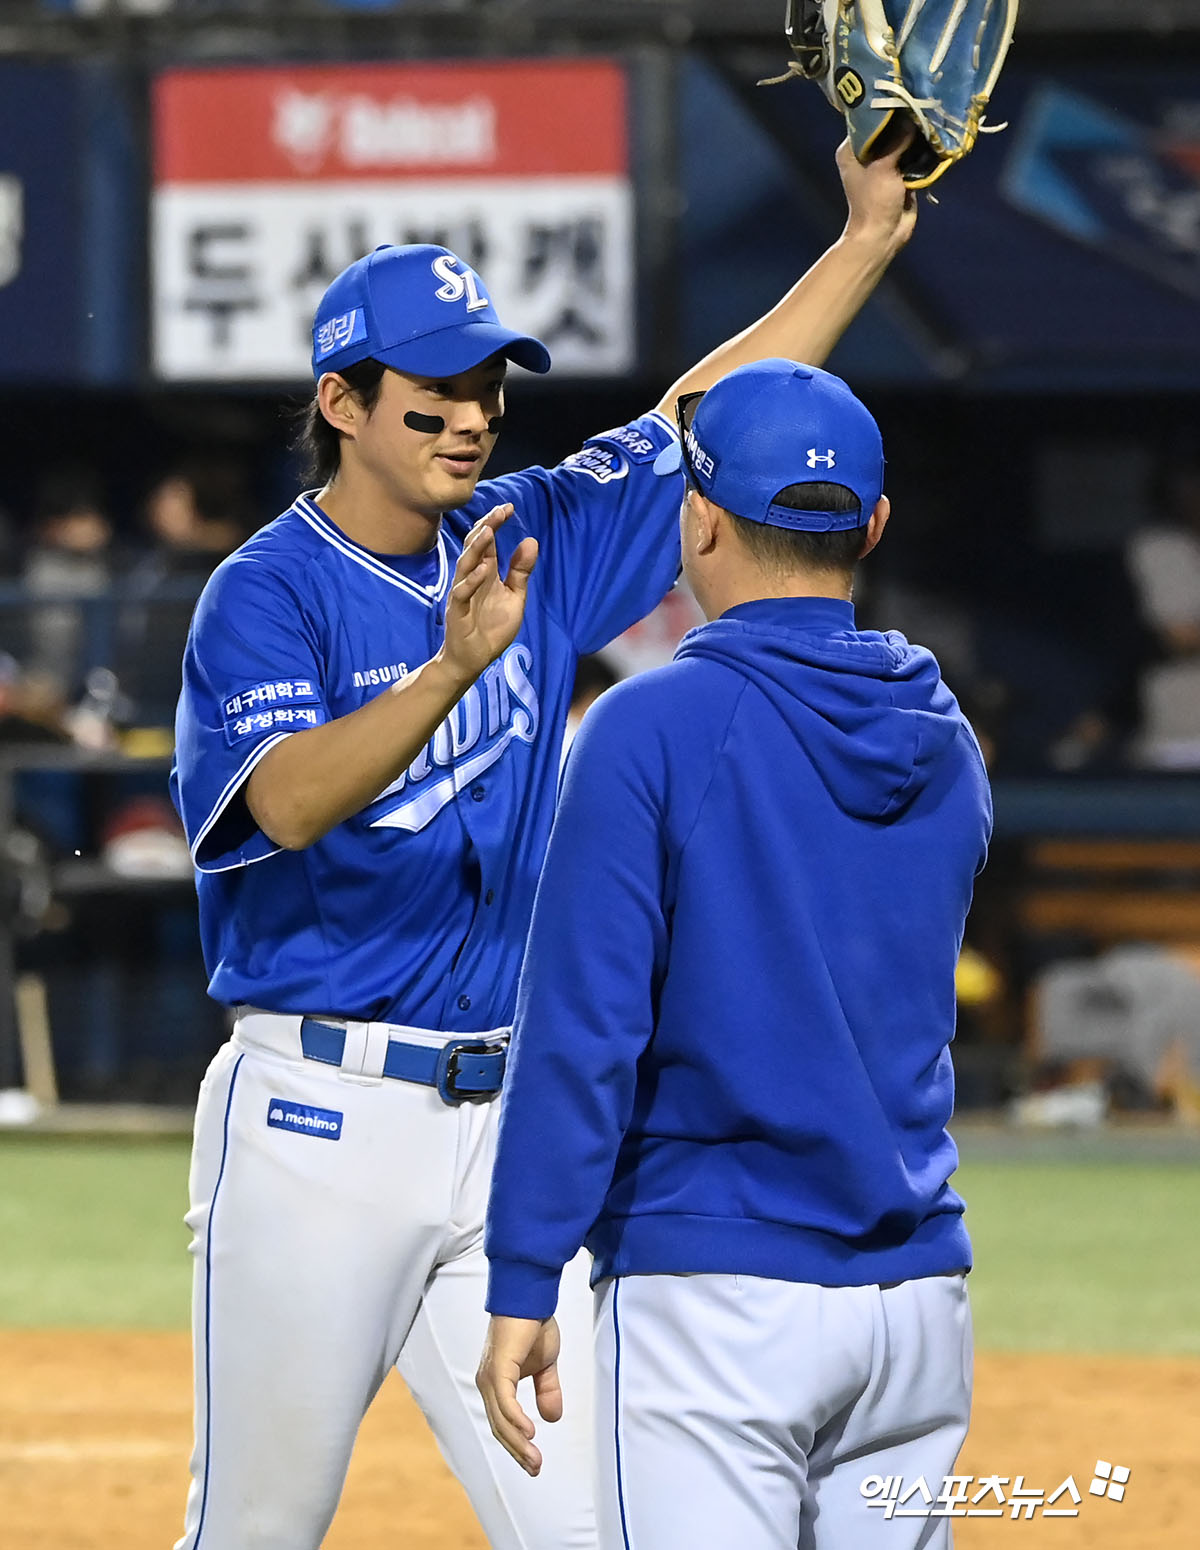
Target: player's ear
[876,525]
[338,403]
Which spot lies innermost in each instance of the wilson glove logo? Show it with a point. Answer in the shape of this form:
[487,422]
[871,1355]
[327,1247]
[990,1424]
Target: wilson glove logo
[282,1115]
[849,86]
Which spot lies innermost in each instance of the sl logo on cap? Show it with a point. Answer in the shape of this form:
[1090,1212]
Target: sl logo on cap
[458,285]
[815,457]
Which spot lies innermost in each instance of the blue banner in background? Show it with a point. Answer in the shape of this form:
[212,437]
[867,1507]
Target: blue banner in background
[1128,190]
[70,223]
[1063,254]
[756,212]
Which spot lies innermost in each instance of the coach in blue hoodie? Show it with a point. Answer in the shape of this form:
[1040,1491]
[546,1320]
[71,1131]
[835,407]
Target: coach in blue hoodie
[731,1074]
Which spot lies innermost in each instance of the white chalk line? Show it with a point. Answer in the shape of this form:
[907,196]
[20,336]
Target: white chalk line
[100,1451]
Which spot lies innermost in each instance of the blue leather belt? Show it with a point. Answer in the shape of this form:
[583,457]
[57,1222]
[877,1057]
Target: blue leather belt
[460,1069]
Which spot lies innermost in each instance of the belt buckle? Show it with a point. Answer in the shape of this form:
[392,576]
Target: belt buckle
[447,1067]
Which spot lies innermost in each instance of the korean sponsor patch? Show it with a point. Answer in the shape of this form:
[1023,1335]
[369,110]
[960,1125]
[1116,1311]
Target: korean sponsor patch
[635,444]
[337,333]
[603,464]
[304,1119]
[283,705]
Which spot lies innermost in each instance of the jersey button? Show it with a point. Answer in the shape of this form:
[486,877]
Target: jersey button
[464,1003]
[490,896]
[478,793]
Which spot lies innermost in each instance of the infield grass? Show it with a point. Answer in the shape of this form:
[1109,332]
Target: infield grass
[1100,1255]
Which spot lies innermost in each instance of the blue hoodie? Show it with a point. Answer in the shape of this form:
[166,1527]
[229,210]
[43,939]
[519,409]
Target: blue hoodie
[731,1046]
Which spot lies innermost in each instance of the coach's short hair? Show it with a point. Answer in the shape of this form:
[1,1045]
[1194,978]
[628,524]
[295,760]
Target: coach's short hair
[783,550]
[317,442]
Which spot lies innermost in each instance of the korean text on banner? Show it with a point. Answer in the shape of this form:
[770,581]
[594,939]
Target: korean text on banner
[270,181]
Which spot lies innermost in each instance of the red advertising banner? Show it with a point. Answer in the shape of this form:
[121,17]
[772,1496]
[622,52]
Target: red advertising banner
[268,181]
[520,118]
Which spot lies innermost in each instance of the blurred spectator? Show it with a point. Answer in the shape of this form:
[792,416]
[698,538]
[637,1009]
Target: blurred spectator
[31,708]
[48,804]
[1164,562]
[1120,1031]
[193,517]
[69,559]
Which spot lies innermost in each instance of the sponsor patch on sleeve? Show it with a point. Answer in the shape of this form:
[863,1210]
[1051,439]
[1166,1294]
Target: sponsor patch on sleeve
[637,446]
[284,705]
[307,1121]
[603,464]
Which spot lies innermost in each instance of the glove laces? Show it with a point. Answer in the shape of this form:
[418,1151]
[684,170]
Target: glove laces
[794,68]
[893,95]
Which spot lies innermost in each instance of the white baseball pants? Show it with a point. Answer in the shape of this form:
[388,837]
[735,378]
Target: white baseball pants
[328,1253]
[738,1413]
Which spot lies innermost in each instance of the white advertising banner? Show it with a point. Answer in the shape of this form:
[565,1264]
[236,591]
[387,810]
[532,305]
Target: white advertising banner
[251,222]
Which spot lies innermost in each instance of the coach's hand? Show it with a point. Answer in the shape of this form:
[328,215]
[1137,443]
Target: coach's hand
[484,609]
[515,1349]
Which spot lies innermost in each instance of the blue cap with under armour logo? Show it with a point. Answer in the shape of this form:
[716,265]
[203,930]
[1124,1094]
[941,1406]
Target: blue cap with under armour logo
[776,423]
[419,309]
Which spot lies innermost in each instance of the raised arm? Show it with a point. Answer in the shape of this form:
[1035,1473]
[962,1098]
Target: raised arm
[818,309]
[316,779]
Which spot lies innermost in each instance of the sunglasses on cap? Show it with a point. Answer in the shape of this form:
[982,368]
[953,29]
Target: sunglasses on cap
[685,412]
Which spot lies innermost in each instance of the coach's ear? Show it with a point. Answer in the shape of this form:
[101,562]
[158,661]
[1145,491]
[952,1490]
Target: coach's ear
[703,521]
[876,525]
[339,403]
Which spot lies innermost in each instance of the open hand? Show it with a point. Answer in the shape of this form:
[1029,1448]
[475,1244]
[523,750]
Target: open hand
[484,609]
[515,1349]
[882,207]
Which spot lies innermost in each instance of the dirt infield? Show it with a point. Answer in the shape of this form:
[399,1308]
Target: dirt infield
[95,1431]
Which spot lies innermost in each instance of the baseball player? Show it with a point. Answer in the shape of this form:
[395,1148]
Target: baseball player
[730,1069]
[375,689]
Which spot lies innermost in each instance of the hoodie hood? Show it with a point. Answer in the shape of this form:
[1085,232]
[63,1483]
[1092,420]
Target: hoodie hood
[869,710]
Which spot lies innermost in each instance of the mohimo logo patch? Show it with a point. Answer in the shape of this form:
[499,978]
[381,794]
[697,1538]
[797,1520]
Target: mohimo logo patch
[282,1115]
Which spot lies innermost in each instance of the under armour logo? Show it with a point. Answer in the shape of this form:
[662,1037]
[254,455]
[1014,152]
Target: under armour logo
[815,457]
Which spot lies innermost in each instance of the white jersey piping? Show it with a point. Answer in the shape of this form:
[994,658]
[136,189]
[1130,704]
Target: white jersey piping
[307,510]
[223,801]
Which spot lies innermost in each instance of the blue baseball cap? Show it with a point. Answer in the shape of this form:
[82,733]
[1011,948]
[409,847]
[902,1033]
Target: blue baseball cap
[418,308]
[776,423]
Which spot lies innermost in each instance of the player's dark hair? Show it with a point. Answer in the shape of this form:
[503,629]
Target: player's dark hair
[317,442]
[783,550]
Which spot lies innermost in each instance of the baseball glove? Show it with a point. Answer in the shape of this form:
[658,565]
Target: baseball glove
[892,66]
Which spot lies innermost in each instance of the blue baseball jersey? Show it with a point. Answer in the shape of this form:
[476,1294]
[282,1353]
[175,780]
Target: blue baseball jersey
[416,909]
